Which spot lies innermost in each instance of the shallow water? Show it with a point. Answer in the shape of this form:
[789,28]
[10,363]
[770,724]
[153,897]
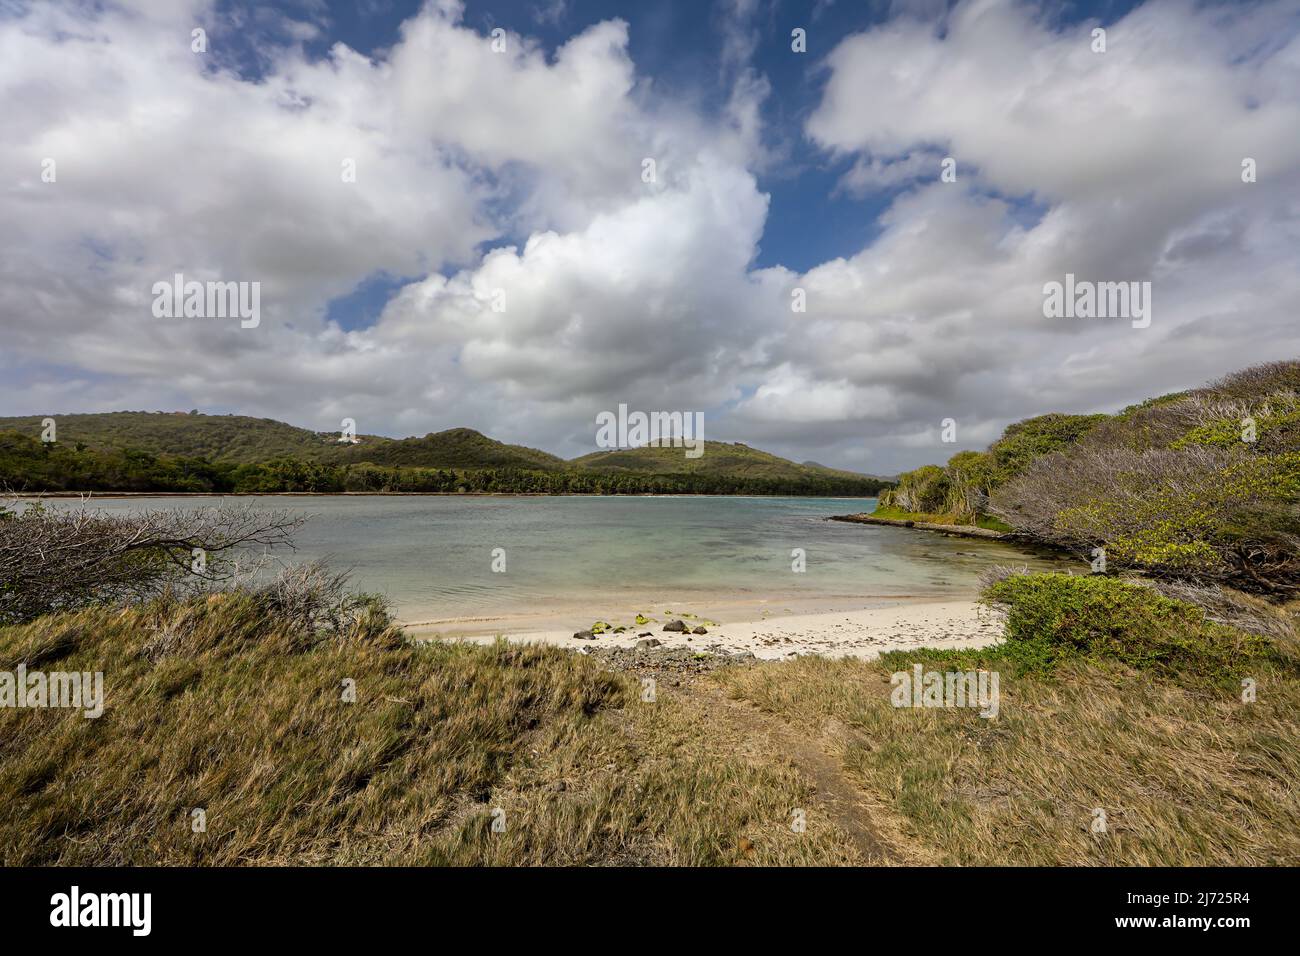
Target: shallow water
[433,556]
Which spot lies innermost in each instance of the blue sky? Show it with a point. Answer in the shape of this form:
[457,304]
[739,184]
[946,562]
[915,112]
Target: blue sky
[781,174]
[675,47]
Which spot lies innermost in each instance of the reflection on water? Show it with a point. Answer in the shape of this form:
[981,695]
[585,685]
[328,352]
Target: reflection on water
[432,556]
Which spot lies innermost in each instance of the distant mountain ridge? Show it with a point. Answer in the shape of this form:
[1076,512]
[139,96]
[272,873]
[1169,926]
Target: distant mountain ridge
[719,458]
[241,439]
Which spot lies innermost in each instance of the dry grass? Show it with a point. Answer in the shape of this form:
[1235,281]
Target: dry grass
[1184,778]
[221,705]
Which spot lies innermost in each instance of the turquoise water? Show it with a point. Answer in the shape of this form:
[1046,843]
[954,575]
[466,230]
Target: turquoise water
[433,556]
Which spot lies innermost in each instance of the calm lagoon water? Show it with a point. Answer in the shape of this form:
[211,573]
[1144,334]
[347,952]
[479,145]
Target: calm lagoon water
[432,556]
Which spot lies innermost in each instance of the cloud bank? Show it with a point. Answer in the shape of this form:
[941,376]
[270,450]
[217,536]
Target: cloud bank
[542,275]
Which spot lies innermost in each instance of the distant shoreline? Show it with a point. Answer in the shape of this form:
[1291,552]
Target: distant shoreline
[966,531]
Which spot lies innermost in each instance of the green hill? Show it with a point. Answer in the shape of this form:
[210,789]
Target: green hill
[719,458]
[1203,485]
[819,468]
[454,448]
[241,440]
[224,438]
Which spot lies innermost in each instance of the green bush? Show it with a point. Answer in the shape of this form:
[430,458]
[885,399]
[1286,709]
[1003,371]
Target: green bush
[1024,441]
[1276,420]
[1057,618]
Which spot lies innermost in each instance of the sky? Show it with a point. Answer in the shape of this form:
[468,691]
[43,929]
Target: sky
[450,231]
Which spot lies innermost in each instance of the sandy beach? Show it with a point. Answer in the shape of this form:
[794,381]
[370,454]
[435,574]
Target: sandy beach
[863,632]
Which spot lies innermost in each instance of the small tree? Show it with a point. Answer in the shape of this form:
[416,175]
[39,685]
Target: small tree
[62,559]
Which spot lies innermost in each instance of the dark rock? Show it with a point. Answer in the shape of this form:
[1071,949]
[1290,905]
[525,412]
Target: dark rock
[700,630]
[679,626]
[648,643]
[584,636]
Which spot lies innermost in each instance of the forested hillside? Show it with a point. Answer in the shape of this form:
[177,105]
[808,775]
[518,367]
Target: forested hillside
[142,452]
[1203,484]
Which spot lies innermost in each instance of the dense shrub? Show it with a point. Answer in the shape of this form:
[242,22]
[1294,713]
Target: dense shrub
[1201,485]
[1055,618]
[960,491]
[1204,486]
[923,491]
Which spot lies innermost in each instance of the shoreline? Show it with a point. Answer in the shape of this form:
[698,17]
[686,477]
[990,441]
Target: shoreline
[960,530]
[863,633]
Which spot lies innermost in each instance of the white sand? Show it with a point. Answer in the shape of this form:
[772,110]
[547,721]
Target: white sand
[864,632]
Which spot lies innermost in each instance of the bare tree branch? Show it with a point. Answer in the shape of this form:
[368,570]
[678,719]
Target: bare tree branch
[56,558]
